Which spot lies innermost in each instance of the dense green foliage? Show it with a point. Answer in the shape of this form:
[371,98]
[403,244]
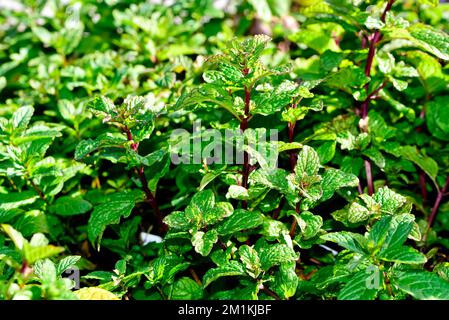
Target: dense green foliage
[92,96]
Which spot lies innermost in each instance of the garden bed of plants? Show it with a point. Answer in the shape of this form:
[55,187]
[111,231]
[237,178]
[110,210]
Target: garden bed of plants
[224,149]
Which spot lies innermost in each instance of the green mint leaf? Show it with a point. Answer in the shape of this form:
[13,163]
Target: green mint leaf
[361,286]
[21,118]
[334,180]
[70,206]
[286,281]
[273,255]
[349,240]
[436,116]
[186,289]
[309,224]
[426,163]
[232,268]
[203,242]
[251,261]
[403,254]
[116,206]
[421,285]
[240,220]
[66,263]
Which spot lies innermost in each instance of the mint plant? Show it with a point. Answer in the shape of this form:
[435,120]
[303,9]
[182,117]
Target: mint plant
[135,118]
[287,150]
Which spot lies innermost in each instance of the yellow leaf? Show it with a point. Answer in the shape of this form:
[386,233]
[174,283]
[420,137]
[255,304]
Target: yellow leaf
[95,294]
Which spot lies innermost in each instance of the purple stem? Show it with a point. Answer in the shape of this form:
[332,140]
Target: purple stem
[437,203]
[369,177]
[422,174]
[243,127]
[144,182]
[376,36]
[423,185]
[291,135]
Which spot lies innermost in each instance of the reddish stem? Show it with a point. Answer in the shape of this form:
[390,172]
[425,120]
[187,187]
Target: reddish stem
[422,174]
[243,127]
[293,228]
[369,177]
[278,209]
[134,145]
[423,185]
[270,293]
[144,182]
[360,188]
[294,222]
[369,62]
[372,94]
[195,276]
[293,159]
[387,8]
[39,191]
[247,101]
[437,203]
[151,199]
[291,135]
[364,40]
[293,154]
[375,37]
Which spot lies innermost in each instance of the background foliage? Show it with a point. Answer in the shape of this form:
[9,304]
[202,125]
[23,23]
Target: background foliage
[91,91]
